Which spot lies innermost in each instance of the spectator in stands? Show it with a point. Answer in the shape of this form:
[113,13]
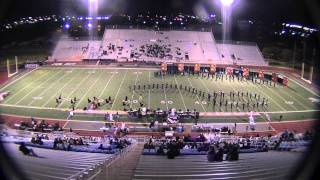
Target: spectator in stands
[233,152]
[211,154]
[26,151]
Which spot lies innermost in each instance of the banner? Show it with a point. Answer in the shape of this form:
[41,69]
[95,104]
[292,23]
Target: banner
[196,67]
[31,66]
[245,72]
[261,74]
[180,67]
[274,77]
[229,70]
[213,68]
[164,67]
[285,81]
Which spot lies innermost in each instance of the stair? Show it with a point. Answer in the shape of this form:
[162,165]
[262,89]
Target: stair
[124,167]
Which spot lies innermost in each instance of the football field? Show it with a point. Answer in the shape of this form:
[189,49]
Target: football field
[39,89]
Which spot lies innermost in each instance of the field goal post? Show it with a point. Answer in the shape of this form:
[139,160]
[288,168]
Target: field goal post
[10,74]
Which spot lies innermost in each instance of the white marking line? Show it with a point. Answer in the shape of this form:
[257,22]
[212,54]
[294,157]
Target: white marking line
[105,87]
[164,91]
[180,93]
[10,83]
[79,84]
[109,68]
[228,82]
[149,93]
[92,85]
[40,95]
[296,100]
[196,95]
[119,89]
[54,95]
[135,83]
[266,95]
[29,84]
[26,95]
[304,87]
[278,94]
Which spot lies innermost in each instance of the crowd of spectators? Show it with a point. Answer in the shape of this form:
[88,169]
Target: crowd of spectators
[42,126]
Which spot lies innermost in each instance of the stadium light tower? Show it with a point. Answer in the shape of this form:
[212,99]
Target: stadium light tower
[226,11]
[226,2]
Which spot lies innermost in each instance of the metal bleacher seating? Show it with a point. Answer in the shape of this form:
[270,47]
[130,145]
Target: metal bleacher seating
[54,164]
[263,165]
[165,46]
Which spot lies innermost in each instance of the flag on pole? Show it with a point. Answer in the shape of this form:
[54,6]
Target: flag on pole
[196,67]
[274,77]
[213,68]
[245,72]
[180,67]
[261,74]
[164,67]
[229,70]
[285,81]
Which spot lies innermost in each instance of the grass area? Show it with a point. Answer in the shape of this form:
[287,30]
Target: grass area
[35,94]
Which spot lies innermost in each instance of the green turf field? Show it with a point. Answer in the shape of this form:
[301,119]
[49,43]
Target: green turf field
[37,90]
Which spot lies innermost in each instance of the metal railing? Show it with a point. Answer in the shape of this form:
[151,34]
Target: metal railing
[103,169]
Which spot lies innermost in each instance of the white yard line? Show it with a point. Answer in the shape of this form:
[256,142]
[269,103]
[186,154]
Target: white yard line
[184,104]
[54,95]
[278,94]
[10,83]
[266,95]
[228,82]
[76,88]
[29,84]
[119,89]
[164,91]
[149,93]
[296,100]
[105,87]
[30,92]
[92,85]
[109,68]
[135,83]
[197,95]
[51,85]
[66,109]
[311,91]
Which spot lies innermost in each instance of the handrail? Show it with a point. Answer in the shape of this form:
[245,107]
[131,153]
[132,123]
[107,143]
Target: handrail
[97,167]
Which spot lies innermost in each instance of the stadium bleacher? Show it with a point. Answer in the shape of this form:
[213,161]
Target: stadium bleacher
[263,165]
[159,46]
[52,164]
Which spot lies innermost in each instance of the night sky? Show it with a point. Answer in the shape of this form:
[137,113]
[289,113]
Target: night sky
[265,10]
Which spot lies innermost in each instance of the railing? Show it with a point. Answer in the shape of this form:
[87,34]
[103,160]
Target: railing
[203,28]
[103,169]
[236,42]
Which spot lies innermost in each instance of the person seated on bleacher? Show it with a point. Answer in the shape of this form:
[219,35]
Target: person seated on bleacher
[160,150]
[26,151]
[233,153]
[211,154]
[172,150]
[219,154]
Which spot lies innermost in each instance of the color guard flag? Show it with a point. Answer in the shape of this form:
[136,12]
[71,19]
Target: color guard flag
[245,72]
[274,77]
[213,68]
[261,74]
[196,67]
[229,70]
[180,67]
[285,81]
[164,67]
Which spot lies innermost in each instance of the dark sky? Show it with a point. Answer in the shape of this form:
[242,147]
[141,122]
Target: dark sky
[266,10]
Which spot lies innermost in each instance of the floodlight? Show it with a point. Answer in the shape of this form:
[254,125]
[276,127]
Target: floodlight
[226,2]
